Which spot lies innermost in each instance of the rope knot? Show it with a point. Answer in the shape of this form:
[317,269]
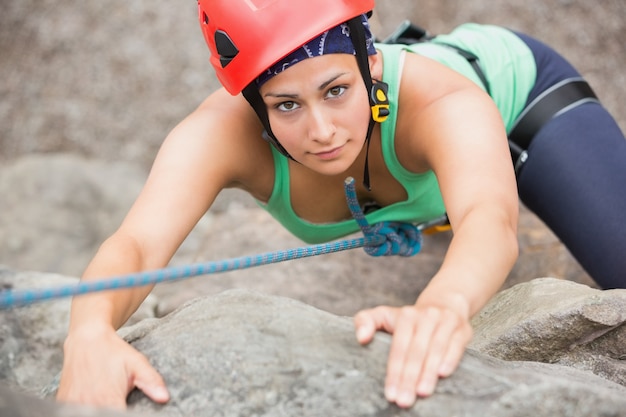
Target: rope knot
[403,239]
[385,238]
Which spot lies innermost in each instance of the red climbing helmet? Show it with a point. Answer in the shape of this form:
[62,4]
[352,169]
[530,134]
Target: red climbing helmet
[246,37]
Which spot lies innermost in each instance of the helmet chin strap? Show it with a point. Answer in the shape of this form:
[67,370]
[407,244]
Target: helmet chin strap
[376,90]
[251,93]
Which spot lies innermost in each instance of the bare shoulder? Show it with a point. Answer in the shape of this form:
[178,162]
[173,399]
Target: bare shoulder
[226,134]
[427,97]
[428,80]
[217,146]
[449,125]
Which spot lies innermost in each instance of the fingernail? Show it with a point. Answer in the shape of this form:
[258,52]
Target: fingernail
[160,393]
[425,389]
[361,333]
[391,393]
[445,370]
[405,399]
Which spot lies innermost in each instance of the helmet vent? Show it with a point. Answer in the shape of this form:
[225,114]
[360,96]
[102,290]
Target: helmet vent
[225,48]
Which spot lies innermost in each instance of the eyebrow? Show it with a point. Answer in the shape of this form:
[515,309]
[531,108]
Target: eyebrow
[322,86]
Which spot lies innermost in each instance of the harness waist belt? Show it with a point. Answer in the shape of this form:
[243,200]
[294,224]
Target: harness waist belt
[556,100]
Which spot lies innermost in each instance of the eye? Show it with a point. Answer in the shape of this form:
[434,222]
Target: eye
[336,91]
[287,106]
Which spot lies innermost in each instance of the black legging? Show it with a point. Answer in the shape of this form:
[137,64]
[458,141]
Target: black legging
[575,177]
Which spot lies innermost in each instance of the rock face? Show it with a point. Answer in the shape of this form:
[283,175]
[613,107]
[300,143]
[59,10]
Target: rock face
[244,353]
[57,209]
[556,321]
[31,338]
[15,404]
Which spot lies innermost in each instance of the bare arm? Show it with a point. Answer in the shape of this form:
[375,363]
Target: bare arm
[457,132]
[166,210]
[206,152]
[474,170]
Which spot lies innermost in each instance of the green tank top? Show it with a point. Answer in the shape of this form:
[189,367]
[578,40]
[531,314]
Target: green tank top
[508,62]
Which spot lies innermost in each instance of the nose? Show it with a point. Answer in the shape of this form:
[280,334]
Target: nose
[321,125]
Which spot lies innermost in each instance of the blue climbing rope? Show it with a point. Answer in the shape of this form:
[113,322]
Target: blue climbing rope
[381,239]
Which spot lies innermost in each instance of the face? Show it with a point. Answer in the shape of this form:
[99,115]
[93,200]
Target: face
[319,111]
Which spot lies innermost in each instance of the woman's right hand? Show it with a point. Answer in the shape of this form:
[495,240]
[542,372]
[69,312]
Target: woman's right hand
[100,369]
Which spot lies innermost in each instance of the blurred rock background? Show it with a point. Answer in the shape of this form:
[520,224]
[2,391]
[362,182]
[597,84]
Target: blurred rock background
[88,90]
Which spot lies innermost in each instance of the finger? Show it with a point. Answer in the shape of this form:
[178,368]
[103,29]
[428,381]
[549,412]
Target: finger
[408,361]
[455,351]
[367,322]
[149,381]
[365,327]
[441,341]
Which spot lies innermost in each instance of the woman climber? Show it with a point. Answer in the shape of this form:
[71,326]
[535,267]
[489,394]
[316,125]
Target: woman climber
[425,126]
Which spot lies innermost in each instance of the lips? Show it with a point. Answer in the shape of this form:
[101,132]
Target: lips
[329,154]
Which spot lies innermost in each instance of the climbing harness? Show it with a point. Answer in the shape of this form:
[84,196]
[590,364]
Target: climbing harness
[382,239]
[408,33]
[556,100]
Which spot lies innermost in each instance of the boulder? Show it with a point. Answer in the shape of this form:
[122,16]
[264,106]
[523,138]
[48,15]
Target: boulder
[18,404]
[31,338]
[58,209]
[243,353]
[555,321]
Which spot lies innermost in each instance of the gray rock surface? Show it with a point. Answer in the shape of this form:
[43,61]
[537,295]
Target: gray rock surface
[17,404]
[243,353]
[554,321]
[31,338]
[57,209]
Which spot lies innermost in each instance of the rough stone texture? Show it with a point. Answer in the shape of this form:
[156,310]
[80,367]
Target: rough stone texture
[245,353]
[553,321]
[31,338]
[57,209]
[16,404]
[103,79]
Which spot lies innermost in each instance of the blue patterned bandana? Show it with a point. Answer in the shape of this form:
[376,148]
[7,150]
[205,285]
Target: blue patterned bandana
[334,41]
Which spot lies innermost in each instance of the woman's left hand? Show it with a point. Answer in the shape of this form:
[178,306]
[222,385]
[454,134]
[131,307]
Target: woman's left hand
[428,343]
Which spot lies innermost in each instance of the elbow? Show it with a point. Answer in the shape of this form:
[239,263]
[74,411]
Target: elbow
[513,245]
[510,242]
